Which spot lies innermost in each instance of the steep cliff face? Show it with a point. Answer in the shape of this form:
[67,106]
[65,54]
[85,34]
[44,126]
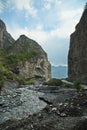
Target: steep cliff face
[6,39]
[24,57]
[77,57]
[33,61]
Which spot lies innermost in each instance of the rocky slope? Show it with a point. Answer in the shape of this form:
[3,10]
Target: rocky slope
[77,57]
[24,57]
[42,108]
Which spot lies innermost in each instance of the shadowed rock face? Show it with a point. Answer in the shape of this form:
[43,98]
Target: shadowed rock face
[6,39]
[77,57]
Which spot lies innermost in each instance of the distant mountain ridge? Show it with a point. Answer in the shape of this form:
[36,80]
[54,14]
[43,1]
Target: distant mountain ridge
[59,71]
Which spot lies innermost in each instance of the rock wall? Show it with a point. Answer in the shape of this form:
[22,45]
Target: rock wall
[6,39]
[77,57]
[26,56]
[37,68]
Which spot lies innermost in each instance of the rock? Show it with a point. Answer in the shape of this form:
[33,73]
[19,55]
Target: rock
[59,97]
[81,125]
[24,57]
[6,39]
[37,65]
[23,110]
[77,57]
[18,106]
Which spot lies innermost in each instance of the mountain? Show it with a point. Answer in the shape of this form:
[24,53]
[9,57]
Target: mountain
[59,71]
[24,44]
[77,56]
[23,57]
[6,39]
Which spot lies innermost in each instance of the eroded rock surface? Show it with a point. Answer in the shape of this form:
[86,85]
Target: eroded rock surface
[24,56]
[77,57]
[42,108]
[18,103]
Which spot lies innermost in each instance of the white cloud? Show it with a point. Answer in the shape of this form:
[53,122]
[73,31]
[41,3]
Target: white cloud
[37,34]
[54,1]
[50,39]
[26,5]
[70,14]
[56,65]
[67,26]
[1,6]
[39,26]
[47,6]
[69,19]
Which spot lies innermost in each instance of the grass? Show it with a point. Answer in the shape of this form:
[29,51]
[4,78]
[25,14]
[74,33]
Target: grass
[24,81]
[7,61]
[77,85]
[11,59]
[54,82]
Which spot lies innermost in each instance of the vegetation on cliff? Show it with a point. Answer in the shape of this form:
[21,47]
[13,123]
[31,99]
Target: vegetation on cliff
[7,60]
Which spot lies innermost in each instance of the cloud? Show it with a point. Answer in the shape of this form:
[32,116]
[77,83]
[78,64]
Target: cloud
[69,19]
[54,1]
[37,33]
[26,5]
[1,6]
[39,26]
[48,4]
[55,47]
[66,27]
[62,20]
[70,14]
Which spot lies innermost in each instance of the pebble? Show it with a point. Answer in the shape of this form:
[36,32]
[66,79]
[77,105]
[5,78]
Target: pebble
[54,109]
[63,115]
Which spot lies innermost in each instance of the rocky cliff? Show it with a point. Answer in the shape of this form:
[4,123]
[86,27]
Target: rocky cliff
[77,57]
[6,39]
[32,60]
[24,57]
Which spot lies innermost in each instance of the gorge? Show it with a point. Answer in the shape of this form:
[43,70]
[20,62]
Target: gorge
[31,105]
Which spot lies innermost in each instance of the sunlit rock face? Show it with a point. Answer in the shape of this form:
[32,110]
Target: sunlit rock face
[77,57]
[26,57]
[35,64]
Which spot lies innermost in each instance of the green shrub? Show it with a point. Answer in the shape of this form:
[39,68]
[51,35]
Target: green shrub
[21,57]
[77,85]
[68,85]
[25,81]
[54,82]
[28,81]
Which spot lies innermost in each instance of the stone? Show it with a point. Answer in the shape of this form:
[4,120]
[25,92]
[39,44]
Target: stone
[35,114]
[77,56]
[6,40]
[37,66]
[25,57]
[23,105]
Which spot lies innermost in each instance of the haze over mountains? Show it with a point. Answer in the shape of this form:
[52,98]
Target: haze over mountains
[59,72]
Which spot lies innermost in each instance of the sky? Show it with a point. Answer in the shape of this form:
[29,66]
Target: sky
[48,22]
